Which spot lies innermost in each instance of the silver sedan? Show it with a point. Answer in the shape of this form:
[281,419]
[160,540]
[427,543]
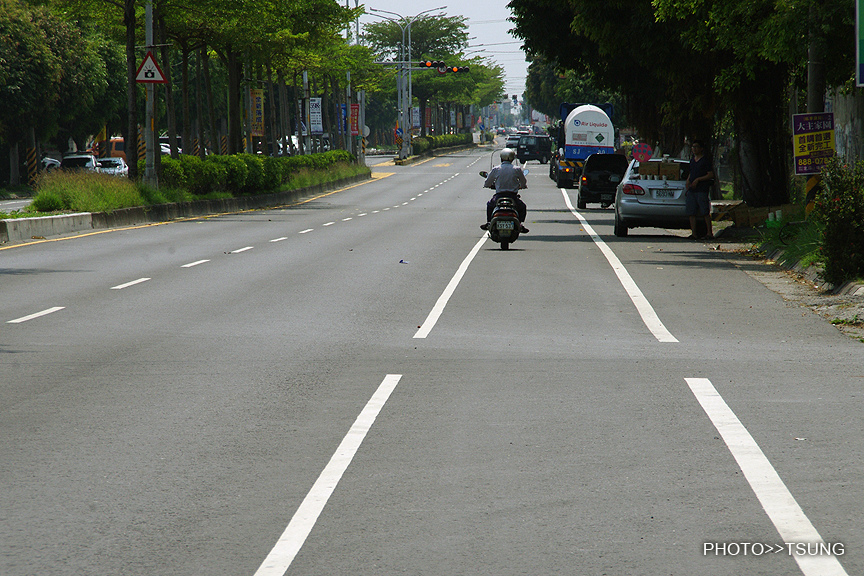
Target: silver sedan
[652,194]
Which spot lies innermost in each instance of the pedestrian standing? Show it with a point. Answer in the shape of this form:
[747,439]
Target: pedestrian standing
[697,198]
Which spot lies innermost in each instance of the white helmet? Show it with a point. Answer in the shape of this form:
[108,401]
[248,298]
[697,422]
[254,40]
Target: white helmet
[508,155]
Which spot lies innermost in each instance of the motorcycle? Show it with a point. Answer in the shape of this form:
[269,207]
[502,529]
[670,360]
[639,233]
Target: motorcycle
[505,225]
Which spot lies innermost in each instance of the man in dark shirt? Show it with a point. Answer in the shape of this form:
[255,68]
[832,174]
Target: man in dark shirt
[698,195]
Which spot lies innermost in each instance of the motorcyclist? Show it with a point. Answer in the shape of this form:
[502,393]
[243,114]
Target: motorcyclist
[506,180]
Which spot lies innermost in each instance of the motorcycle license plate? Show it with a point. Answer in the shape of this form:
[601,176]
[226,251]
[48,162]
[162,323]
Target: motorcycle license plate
[505,225]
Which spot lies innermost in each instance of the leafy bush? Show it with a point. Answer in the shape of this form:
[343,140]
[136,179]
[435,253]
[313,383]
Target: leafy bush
[172,173]
[255,175]
[47,201]
[214,177]
[272,173]
[193,172]
[840,211]
[236,171]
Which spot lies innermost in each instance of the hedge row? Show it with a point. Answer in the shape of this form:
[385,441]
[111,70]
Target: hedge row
[241,173]
[424,143]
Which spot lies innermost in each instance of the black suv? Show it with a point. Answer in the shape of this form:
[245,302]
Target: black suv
[534,147]
[600,177]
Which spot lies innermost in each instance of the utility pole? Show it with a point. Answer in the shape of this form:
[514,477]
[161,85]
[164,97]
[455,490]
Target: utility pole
[150,177]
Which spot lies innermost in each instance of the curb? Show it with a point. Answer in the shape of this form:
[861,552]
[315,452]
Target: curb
[19,230]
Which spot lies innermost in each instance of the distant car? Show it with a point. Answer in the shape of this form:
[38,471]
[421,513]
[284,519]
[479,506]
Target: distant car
[534,147]
[86,162]
[49,164]
[512,141]
[601,174]
[113,166]
[652,194]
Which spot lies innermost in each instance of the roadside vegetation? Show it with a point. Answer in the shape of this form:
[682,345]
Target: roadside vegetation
[188,178]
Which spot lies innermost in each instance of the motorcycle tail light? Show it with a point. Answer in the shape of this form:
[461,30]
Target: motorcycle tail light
[633,190]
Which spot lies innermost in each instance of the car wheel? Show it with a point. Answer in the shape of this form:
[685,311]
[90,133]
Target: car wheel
[580,204]
[620,228]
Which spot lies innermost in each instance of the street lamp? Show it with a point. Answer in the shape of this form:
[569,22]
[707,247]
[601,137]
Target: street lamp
[405,100]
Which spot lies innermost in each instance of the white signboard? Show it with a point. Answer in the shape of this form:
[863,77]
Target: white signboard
[316,121]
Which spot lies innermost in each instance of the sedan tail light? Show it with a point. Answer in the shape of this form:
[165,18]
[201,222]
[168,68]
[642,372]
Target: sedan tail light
[633,190]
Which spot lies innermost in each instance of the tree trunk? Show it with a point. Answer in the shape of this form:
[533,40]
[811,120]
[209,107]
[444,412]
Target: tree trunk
[215,146]
[235,128]
[762,128]
[170,110]
[199,107]
[131,136]
[271,99]
[184,90]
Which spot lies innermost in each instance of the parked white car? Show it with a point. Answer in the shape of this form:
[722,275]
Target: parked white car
[115,166]
[80,162]
[652,194]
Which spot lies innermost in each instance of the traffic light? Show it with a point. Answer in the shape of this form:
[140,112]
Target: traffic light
[457,69]
[434,64]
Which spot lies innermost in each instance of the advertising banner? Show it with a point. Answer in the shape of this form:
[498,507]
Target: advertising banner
[257,98]
[316,121]
[355,119]
[812,141]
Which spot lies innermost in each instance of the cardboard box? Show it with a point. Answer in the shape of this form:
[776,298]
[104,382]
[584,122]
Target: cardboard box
[649,168]
[672,170]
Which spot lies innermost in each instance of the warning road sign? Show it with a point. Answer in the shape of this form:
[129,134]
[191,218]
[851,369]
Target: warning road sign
[149,71]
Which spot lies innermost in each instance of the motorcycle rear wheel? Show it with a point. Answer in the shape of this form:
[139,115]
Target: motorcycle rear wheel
[505,245]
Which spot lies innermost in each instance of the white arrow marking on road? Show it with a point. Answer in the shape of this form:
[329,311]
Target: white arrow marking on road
[781,507]
[295,534]
[127,284]
[36,315]
[646,311]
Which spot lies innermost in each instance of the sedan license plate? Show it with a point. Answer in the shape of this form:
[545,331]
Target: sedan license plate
[505,225]
[664,193]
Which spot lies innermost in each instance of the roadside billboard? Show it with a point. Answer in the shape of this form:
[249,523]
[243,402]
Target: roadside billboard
[812,141]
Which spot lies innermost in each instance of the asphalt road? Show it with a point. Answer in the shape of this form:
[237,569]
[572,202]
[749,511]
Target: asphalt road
[358,385]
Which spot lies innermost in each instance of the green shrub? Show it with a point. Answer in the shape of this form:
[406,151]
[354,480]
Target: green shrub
[235,172]
[193,171]
[840,211]
[214,177]
[272,173]
[172,173]
[47,201]
[255,175]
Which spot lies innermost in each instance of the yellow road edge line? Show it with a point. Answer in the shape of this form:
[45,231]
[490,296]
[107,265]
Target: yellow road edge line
[136,227]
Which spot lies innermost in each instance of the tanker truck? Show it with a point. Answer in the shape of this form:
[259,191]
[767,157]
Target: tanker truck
[585,129]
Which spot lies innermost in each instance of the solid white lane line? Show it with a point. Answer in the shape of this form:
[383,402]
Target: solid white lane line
[305,231]
[36,315]
[427,326]
[196,263]
[781,507]
[239,250]
[281,238]
[132,283]
[646,311]
[295,534]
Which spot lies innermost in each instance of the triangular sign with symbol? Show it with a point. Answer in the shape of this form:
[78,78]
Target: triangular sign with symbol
[149,71]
